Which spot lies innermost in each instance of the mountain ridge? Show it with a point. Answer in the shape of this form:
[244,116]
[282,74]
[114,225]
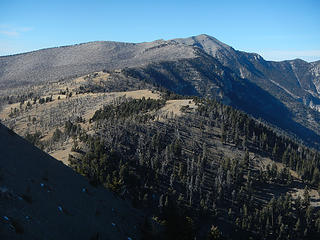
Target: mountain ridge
[294,83]
[148,127]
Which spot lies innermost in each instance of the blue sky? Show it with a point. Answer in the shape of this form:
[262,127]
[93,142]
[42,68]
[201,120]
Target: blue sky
[277,30]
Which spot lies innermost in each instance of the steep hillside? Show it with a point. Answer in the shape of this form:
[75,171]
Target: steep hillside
[282,93]
[315,72]
[194,166]
[295,83]
[210,167]
[205,76]
[294,75]
[41,198]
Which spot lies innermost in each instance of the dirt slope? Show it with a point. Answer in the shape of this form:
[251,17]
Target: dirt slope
[41,198]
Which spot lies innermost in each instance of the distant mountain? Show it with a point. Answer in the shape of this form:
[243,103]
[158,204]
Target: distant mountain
[297,78]
[41,198]
[295,84]
[286,94]
[69,61]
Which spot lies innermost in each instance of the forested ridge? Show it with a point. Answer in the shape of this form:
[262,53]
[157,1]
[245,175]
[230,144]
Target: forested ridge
[127,108]
[199,174]
[198,171]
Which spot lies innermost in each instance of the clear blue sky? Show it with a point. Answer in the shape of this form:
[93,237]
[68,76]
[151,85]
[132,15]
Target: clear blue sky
[277,30]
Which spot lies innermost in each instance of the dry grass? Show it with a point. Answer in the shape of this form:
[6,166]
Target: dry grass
[79,102]
[173,108]
[52,115]
[62,154]
[267,161]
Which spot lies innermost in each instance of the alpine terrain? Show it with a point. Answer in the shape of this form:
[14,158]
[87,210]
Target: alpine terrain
[171,139]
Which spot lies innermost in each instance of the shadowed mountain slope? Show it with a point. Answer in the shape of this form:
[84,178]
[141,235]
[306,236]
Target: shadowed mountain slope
[199,65]
[41,198]
[295,78]
[206,76]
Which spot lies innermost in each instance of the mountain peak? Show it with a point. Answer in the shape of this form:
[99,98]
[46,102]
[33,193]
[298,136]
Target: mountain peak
[208,43]
[207,38]
[204,41]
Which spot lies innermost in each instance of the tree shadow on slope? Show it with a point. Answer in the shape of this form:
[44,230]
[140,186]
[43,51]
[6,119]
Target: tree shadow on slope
[206,77]
[252,99]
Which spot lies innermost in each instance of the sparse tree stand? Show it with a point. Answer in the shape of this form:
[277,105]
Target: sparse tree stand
[173,168]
